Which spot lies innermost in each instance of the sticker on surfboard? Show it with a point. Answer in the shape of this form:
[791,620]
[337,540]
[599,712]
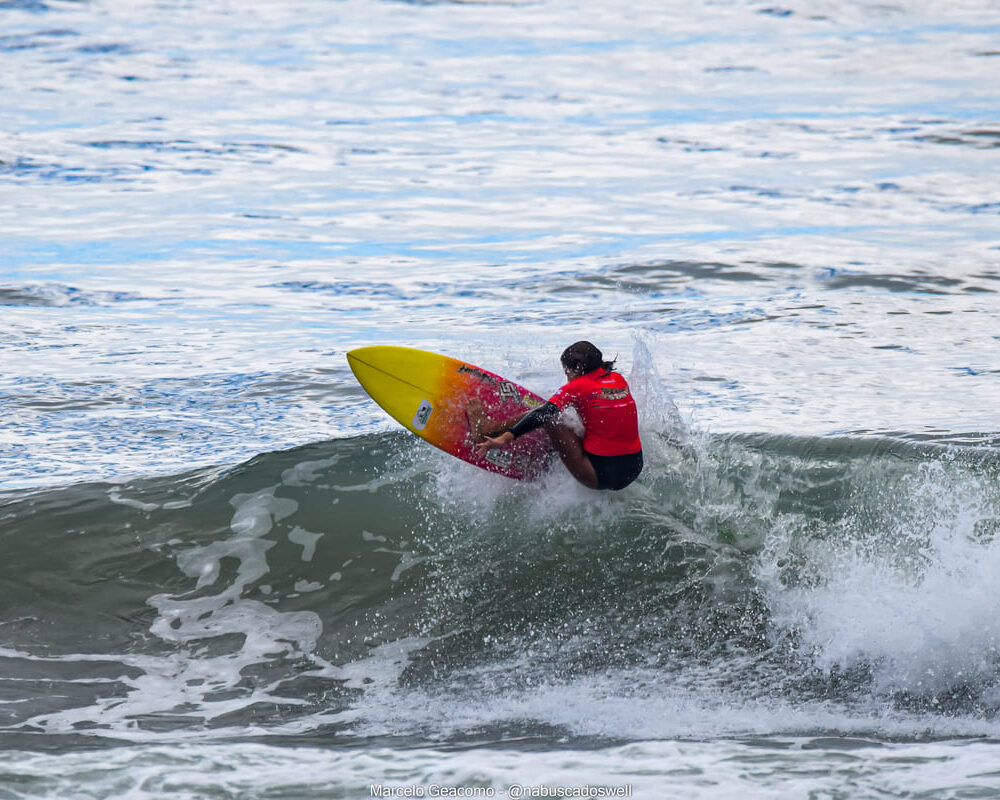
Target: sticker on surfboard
[423,414]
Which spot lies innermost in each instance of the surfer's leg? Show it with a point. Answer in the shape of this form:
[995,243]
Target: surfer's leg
[569,446]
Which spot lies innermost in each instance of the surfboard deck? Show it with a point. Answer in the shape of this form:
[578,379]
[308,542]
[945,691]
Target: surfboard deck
[427,393]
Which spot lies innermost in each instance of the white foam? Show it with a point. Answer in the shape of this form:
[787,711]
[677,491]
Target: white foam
[217,633]
[306,539]
[917,599]
[306,472]
[634,703]
[116,497]
[699,770]
[256,513]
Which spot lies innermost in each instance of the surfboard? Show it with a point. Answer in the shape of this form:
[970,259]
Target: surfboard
[427,393]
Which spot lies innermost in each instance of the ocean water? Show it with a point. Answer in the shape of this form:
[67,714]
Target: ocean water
[226,574]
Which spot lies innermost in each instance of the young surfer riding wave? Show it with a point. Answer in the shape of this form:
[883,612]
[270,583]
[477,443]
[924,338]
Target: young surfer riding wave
[609,456]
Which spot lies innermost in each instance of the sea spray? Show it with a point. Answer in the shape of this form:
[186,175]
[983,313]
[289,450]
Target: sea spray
[903,583]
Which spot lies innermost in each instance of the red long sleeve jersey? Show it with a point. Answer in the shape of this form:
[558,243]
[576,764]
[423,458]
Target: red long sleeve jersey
[607,409]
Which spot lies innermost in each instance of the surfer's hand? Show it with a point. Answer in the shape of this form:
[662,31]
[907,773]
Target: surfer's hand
[494,442]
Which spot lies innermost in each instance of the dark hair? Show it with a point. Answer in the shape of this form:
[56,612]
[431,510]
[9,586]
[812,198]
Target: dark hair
[584,357]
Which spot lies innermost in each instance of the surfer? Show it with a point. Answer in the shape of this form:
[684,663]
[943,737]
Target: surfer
[609,456]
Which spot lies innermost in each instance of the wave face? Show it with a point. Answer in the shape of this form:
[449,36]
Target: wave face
[365,590]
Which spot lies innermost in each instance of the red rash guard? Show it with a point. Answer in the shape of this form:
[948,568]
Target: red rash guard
[605,405]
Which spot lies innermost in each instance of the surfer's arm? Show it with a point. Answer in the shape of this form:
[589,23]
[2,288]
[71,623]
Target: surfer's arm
[481,426]
[496,428]
[533,420]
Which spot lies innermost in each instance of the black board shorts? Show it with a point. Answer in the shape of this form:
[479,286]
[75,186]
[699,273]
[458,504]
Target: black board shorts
[616,472]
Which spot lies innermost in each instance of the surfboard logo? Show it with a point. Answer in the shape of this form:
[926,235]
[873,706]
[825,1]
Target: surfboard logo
[423,414]
[508,391]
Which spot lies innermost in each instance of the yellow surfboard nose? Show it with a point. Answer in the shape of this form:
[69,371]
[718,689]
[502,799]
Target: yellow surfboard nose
[406,382]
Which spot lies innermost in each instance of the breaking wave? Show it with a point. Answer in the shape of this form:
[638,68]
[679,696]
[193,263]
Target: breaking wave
[368,589]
